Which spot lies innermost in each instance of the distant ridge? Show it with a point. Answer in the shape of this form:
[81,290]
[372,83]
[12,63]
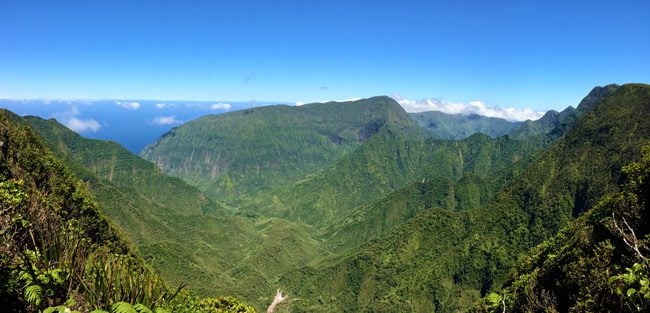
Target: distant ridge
[442,260]
[560,121]
[240,153]
[458,126]
[354,207]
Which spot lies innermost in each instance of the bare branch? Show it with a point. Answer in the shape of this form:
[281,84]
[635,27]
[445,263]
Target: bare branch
[630,238]
[279,298]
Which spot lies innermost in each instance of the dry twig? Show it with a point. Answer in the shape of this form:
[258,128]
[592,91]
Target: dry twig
[279,298]
[630,239]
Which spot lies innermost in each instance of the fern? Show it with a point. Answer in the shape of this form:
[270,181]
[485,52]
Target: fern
[34,294]
[56,309]
[141,308]
[122,307]
[58,275]
[63,309]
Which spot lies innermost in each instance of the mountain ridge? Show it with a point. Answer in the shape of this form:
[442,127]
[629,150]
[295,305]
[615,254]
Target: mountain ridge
[473,250]
[459,126]
[265,146]
[383,218]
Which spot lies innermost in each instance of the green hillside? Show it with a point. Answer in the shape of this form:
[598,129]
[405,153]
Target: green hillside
[558,122]
[598,263]
[109,162]
[544,125]
[390,161]
[458,126]
[349,207]
[59,253]
[184,235]
[443,260]
[45,211]
[237,154]
[147,205]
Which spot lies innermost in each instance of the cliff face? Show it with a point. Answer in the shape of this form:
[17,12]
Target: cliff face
[238,154]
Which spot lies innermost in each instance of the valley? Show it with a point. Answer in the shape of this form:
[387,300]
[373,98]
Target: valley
[360,206]
[324,156]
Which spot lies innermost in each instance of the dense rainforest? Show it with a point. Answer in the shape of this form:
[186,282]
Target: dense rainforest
[346,206]
[60,253]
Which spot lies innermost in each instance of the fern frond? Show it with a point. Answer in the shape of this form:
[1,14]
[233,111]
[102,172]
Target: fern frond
[26,277]
[141,308]
[122,307]
[52,309]
[34,294]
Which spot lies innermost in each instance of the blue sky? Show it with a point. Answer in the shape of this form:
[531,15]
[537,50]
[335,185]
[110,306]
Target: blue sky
[520,54]
[132,123]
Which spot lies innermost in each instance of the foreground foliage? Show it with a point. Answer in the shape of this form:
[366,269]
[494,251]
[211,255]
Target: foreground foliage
[58,252]
[597,264]
[399,224]
[444,261]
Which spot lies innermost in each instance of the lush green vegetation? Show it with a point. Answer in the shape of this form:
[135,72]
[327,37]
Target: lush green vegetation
[174,225]
[240,153]
[459,126]
[58,251]
[349,207]
[442,260]
[469,171]
[598,263]
[555,123]
[143,202]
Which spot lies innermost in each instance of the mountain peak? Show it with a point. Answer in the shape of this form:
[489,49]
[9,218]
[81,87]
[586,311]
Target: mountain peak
[272,145]
[376,102]
[596,95]
[458,126]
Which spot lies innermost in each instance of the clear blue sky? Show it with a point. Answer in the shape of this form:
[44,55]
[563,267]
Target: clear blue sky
[538,54]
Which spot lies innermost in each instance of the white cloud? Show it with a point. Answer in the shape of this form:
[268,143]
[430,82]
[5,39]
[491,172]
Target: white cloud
[166,120]
[70,120]
[474,107]
[129,105]
[299,103]
[221,106]
[68,114]
[82,125]
[165,105]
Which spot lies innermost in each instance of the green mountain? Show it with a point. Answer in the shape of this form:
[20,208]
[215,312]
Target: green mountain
[184,235]
[389,161]
[59,253]
[486,165]
[443,260]
[238,154]
[598,263]
[558,122]
[147,205]
[458,126]
[48,223]
[318,212]
[595,96]
[349,207]
[544,125]
[105,161]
